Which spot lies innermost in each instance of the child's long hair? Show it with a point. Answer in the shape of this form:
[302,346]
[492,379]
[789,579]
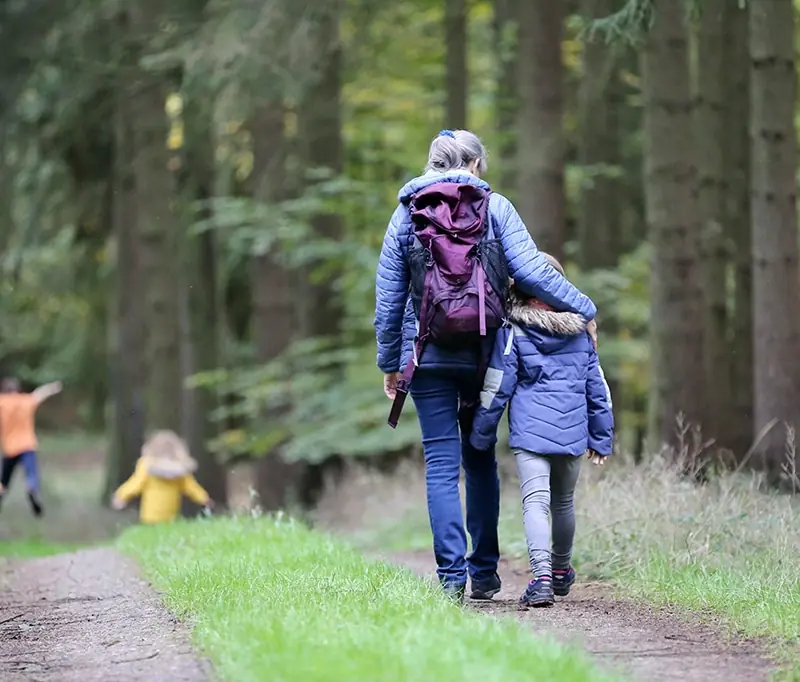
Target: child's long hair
[166,451]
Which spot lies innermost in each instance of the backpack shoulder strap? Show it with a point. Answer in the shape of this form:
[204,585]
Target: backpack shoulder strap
[490,232]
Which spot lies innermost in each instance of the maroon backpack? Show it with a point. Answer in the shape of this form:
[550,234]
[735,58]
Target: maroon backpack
[459,274]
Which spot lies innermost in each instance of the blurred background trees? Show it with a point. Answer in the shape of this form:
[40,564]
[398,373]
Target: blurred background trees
[193,195]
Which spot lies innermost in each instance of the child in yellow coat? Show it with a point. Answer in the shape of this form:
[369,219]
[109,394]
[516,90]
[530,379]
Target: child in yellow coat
[164,473]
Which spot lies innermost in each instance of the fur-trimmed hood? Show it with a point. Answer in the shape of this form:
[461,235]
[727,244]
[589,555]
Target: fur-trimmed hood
[165,455]
[548,321]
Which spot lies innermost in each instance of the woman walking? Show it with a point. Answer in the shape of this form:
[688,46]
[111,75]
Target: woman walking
[447,197]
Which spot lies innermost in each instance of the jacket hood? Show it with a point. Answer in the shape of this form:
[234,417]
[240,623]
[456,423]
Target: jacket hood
[460,177]
[548,329]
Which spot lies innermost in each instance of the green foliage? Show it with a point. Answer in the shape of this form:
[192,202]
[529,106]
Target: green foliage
[261,593]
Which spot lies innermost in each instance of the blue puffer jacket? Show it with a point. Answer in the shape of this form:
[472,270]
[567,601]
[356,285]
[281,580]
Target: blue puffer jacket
[395,322]
[546,365]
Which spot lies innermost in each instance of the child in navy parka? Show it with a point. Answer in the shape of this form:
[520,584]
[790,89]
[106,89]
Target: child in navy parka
[545,364]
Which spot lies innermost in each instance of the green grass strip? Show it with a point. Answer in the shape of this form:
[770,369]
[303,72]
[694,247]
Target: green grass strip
[272,599]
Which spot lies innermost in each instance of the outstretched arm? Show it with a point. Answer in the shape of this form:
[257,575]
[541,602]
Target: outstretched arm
[131,488]
[47,391]
[194,491]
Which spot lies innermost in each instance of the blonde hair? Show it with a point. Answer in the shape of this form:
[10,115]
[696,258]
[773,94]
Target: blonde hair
[166,447]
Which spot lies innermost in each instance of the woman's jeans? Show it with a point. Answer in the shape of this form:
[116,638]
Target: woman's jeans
[548,485]
[436,395]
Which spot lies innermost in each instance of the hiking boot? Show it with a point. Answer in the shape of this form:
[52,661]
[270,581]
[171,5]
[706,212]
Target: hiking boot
[36,505]
[484,590]
[539,593]
[562,581]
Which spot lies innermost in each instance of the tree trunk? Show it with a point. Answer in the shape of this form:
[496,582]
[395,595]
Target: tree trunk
[200,273]
[274,294]
[322,148]
[600,100]
[158,228]
[506,31]
[128,346]
[776,302]
[736,162]
[709,128]
[540,148]
[677,301]
[456,76]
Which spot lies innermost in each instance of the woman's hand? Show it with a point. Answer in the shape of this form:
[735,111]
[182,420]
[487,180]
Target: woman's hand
[118,503]
[390,384]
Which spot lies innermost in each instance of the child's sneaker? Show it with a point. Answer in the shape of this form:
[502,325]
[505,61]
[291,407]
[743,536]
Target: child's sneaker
[539,593]
[484,590]
[562,581]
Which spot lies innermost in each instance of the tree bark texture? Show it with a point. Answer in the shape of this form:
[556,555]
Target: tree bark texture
[158,228]
[736,164]
[540,149]
[199,260]
[711,179]
[128,347]
[274,294]
[506,45]
[600,100]
[776,301]
[320,124]
[677,297]
[456,73]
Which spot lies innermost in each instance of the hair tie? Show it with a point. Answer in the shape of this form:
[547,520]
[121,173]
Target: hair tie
[447,133]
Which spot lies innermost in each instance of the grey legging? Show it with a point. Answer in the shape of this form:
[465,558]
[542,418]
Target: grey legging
[548,485]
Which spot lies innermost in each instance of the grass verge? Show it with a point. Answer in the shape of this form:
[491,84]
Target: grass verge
[274,596]
[32,548]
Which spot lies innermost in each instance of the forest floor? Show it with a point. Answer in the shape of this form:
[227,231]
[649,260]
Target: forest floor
[88,616]
[643,643]
[668,586]
[670,575]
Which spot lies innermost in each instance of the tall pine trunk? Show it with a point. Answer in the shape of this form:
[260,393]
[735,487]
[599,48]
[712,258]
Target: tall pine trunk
[127,373]
[456,75]
[710,136]
[506,32]
[736,164]
[600,102]
[158,231]
[200,277]
[600,99]
[322,147]
[776,301]
[677,301]
[274,293]
[540,149]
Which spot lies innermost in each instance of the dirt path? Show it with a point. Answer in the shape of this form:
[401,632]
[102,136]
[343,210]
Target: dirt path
[649,645]
[88,616]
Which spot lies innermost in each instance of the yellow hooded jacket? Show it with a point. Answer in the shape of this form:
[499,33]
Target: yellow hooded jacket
[161,489]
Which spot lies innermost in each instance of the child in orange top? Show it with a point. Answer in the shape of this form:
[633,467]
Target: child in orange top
[18,435]
[164,473]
